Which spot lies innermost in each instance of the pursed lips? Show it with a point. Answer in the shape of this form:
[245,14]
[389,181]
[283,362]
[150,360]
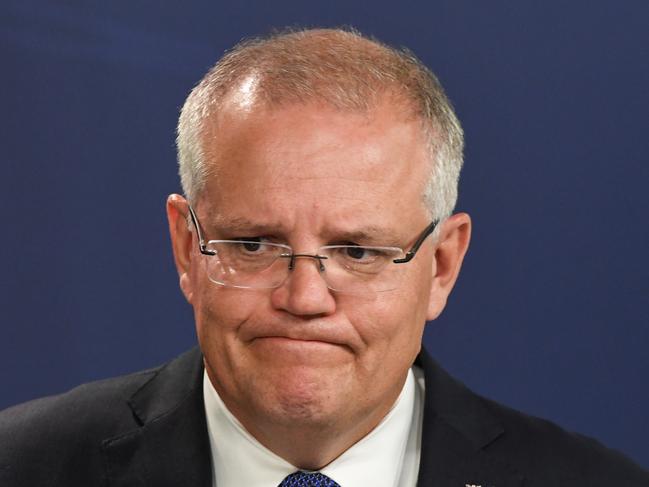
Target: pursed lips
[299,342]
[299,335]
[283,352]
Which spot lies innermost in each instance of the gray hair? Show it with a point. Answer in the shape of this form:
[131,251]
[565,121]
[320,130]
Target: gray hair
[342,69]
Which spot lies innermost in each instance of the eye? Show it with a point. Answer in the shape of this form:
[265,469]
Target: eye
[251,246]
[357,253]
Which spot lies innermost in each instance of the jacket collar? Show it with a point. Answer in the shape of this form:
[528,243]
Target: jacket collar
[457,427]
[170,445]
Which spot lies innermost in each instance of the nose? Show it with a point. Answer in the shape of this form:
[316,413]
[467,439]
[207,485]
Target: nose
[305,292]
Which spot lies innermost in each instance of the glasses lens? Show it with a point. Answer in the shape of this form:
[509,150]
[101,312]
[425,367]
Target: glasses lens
[360,269]
[352,269]
[246,264]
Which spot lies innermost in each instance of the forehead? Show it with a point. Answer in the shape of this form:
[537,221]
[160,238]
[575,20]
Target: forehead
[314,159]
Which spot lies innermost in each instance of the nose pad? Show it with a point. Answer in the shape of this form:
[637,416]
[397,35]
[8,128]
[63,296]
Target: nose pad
[319,258]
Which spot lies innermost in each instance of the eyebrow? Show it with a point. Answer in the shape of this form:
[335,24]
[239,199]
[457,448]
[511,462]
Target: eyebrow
[372,234]
[242,224]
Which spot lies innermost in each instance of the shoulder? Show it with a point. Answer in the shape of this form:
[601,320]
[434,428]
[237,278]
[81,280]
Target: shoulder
[99,404]
[544,450]
[63,433]
[486,432]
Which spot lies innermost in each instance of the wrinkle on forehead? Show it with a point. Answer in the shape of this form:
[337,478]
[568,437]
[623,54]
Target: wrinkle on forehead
[360,168]
[337,229]
[259,117]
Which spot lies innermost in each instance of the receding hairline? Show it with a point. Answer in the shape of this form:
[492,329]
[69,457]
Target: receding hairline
[341,69]
[271,83]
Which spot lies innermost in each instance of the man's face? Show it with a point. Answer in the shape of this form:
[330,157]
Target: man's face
[309,176]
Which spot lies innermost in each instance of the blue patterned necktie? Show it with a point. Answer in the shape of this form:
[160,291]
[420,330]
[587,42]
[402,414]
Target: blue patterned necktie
[305,479]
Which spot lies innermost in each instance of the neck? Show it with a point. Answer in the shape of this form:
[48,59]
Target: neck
[312,447]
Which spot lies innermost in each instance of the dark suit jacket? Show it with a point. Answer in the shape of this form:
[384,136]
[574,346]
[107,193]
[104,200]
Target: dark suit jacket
[149,429]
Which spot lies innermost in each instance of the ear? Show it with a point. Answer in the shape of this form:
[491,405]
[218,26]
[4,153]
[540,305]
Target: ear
[181,241]
[450,248]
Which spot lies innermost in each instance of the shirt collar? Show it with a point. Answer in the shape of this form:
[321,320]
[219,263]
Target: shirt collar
[377,459]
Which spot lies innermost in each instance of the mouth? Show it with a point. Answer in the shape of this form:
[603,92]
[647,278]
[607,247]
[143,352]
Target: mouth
[279,339]
[301,337]
[299,347]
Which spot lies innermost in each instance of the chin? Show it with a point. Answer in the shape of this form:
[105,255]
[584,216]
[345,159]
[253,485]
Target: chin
[309,415]
[303,399]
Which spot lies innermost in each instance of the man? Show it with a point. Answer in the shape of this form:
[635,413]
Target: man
[315,239]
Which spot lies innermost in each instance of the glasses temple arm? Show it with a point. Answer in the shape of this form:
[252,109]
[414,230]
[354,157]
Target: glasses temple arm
[415,247]
[197,225]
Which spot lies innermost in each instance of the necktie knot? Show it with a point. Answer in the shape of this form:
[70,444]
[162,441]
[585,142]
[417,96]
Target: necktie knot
[306,479]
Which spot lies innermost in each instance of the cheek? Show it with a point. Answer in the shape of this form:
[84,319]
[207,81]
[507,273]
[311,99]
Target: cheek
[219,313]
[391,325]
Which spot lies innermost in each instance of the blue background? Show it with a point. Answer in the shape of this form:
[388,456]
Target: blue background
[551,311]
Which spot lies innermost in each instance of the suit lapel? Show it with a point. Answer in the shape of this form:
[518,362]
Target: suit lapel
[456,429]
[171,446]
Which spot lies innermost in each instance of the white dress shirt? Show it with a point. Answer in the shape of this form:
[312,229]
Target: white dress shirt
[387,457]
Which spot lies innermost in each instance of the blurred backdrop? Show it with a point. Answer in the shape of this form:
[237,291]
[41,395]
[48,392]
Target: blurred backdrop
[551,312]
